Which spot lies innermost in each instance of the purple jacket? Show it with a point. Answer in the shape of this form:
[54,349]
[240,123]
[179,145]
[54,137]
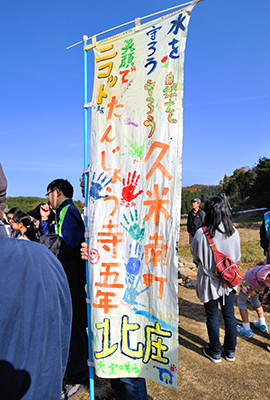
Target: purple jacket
[255,275]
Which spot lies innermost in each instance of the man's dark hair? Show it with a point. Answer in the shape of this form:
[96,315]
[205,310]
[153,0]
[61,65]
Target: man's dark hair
[63,185]
[217,212]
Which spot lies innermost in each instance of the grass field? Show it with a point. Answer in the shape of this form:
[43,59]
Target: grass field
[248,228]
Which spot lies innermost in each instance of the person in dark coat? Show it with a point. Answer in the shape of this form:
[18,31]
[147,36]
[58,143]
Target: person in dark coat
[196,218]
[265,235]
[70,228]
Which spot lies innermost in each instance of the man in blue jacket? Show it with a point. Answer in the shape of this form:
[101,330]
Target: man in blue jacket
[35,322]
[70,228]
[35,319]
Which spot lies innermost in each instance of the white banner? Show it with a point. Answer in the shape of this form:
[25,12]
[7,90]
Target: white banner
[135,199]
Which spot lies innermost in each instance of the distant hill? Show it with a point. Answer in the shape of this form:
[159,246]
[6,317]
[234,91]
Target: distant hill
[28,203]
[203,192]
[188,193]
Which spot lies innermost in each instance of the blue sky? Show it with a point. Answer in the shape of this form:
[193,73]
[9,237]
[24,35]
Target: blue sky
[226,87]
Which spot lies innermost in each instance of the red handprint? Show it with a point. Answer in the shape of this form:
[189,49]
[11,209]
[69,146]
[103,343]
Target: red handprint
[128,191]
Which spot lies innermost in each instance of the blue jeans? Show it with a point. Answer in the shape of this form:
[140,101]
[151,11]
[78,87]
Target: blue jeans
[129,388]
[212,323]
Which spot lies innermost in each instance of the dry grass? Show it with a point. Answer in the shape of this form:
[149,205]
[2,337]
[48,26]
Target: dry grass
[251,252]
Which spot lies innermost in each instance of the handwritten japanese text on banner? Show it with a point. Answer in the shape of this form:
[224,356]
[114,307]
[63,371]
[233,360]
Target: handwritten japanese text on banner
[134,199]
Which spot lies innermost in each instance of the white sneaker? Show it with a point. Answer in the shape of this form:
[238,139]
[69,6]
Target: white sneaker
[69,390]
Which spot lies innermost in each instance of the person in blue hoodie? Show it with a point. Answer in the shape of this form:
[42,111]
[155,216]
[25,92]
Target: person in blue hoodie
[69,227]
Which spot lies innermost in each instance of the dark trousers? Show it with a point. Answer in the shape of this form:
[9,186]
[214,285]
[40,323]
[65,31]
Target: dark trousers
[77,367]
[212,322]
[129,388]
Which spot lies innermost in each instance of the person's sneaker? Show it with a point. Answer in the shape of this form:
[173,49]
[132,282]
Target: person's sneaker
[228,357]
[243,332]
[263,328]
[207,353]
[69,390]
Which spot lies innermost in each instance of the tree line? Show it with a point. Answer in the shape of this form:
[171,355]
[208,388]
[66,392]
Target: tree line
[29,203]
[247,188]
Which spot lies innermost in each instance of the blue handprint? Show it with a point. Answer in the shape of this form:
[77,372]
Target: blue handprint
[97,186]
[131,292]
[133,267]
[134,263]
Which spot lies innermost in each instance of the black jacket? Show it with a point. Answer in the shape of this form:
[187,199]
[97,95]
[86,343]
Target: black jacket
[195,221]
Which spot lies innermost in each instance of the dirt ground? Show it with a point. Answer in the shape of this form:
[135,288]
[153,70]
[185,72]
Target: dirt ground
[198,378]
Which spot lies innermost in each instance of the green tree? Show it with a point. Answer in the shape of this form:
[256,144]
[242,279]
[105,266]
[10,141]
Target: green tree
[261,187]
[248,187]
[203,192]
[238,184]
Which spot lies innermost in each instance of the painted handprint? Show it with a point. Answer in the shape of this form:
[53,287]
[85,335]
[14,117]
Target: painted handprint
[133,227]
[133,267]
[134,263]
[135,150]
[131,292]
[129,188]
[97,186]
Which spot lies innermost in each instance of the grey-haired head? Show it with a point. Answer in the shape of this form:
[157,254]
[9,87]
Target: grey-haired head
[3,185]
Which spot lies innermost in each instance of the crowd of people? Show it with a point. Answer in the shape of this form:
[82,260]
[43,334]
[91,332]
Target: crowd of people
[58,225]
[43,316]
[53,232]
